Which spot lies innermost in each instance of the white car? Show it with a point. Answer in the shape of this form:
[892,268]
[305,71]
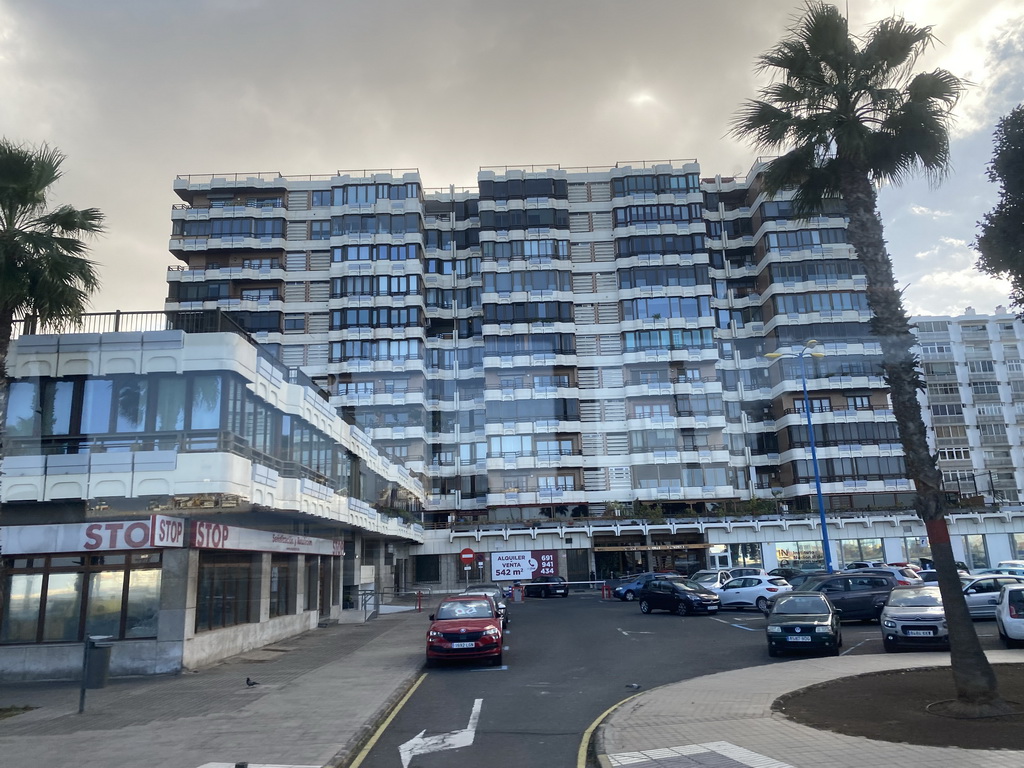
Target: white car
[982,592]
[913,617]
[751,591]
[711,579]
[1010,615]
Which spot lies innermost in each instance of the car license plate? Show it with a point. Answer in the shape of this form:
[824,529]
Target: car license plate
[712,608]
[463,645]
[799,638]
[919,633]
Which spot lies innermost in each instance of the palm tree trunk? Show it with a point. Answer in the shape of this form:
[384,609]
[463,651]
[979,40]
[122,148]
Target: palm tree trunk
[972,674]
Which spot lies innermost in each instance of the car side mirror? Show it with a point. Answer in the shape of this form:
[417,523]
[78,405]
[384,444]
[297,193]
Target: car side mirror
[971,592]
[839,610]
[431,617]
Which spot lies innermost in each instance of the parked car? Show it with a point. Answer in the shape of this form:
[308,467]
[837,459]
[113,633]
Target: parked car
[751,591]
[744,571]
[1004,571]
[929,576]
[904,576]
[857,595]
[864,564]
[913,617]
[627,589]
[1010,564]
[465,627]
[1010,615]
[496,594]
[802,576]
[547,586]
[982,592]
[711,578]
[677,596]
[785,573]
[803,621]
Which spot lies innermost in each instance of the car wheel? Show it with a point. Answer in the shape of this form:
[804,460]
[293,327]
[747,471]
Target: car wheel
[630,595]
[496,661]
[772,652]
[645,607]
[890,646]
[683,609]
[834,650]
[431,663]
[839,641]
[762,604]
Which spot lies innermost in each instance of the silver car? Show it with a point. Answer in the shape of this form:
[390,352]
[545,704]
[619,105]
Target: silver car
[913,617]
[497,595]
[981,593]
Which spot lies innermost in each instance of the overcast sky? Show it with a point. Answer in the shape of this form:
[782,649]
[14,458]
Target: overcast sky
[136,92]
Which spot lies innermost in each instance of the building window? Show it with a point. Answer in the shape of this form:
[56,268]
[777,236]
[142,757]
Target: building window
[294,323]
[312,566]
[42,597]
[224,593]
[282,585]
[428,568]
[319,230]
[981,366]
[321,198]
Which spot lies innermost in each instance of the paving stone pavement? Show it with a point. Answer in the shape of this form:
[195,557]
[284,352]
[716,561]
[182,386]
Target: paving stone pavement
[725,721]
[318,696]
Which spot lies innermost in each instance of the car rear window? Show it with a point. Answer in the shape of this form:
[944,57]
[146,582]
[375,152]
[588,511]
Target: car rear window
[779,582]
[465,609]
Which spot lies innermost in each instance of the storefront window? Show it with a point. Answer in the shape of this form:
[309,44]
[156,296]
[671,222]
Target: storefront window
[143,605]
[63,607]
[225,588]
[915,548]
[282,577]
[863,550]
[22,594]
[974,548]
[103,613]
[43,595]
[748,555]
[1017,545]
[806,555]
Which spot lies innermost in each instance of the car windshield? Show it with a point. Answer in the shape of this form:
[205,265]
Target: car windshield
[464,609]
[696,586]
[705,578]
[925,597]
[801,604]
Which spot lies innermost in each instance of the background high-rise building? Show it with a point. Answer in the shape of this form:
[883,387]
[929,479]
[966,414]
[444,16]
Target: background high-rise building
[974,402]
[560,343]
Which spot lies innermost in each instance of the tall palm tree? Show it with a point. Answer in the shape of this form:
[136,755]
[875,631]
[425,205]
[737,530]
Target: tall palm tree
[44,271]
[845,114]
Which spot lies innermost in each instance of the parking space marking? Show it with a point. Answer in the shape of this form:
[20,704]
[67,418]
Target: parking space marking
[737,626]
[858,645]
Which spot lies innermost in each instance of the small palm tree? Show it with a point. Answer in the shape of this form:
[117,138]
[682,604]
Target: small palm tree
[846,114]
[44,271]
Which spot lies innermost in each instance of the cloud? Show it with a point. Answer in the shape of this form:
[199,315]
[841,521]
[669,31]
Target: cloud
[920,210]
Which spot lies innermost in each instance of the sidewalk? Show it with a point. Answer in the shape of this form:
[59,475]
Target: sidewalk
[319,696]
[725,720]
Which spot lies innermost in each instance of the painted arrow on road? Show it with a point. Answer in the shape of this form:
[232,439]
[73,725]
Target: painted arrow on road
[422,745]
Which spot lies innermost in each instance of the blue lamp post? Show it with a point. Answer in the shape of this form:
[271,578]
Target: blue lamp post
[802,356]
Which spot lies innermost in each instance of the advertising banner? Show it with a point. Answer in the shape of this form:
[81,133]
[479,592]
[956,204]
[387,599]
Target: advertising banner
[523,566]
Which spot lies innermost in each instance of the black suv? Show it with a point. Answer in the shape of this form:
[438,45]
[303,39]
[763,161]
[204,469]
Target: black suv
[547,586]
[677,596]
[857,595]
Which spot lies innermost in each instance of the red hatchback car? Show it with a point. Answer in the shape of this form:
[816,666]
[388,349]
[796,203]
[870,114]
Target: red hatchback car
[465,627]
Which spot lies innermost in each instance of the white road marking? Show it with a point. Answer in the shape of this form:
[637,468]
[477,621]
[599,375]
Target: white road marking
[855,647]
[737,626]
[420,745]
[627,634]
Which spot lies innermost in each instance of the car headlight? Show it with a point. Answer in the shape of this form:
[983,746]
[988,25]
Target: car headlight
[889,623]
[493,631]
[433,633]
[774,629]
[822,630]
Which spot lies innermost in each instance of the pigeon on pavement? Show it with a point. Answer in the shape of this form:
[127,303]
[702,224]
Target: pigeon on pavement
[250,682]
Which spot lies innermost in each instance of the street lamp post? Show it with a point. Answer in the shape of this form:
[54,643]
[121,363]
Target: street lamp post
[801,356]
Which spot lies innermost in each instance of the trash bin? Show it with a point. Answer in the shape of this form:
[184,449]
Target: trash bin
[518,594]
[97,664]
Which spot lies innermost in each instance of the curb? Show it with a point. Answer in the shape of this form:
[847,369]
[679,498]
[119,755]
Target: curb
[344,757]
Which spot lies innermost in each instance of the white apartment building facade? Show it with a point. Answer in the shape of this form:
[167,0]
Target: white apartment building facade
[974,402]
[560,344]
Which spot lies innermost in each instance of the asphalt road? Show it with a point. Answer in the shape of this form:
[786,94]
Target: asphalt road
[567,661]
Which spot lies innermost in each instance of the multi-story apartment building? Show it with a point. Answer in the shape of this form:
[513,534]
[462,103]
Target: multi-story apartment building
[974,401]
[561,343]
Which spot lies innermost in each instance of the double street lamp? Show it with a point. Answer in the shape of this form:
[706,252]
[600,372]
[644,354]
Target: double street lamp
[802,356]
